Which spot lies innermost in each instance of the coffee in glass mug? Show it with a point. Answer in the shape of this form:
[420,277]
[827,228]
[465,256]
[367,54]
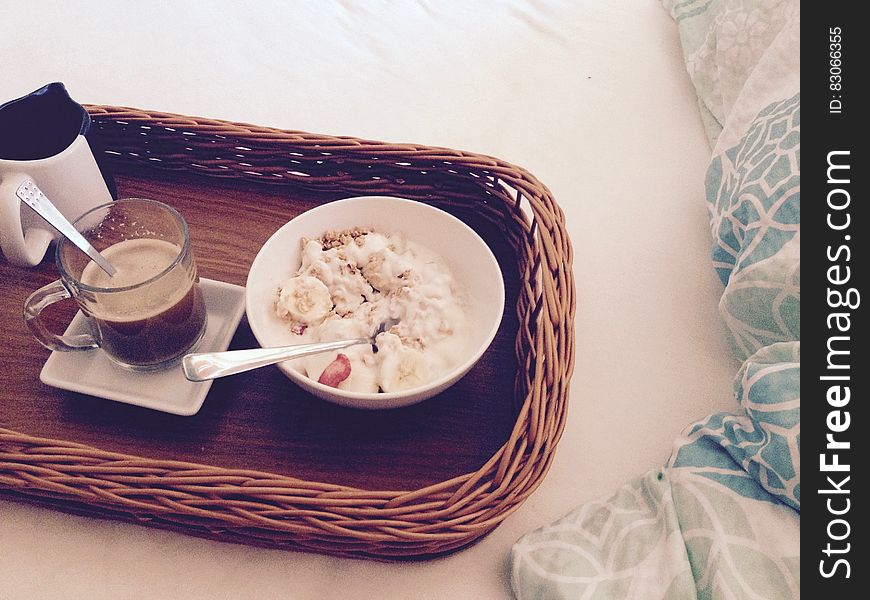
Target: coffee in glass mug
[151,312]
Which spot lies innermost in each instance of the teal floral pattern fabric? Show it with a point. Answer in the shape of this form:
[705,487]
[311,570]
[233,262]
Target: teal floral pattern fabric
[755,453]
[723,43]
[722,518]
[753,191]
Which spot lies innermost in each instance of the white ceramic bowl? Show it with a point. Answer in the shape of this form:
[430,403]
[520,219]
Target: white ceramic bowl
[469,258]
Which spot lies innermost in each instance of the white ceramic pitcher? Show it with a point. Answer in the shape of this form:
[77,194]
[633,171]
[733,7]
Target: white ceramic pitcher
[43,138]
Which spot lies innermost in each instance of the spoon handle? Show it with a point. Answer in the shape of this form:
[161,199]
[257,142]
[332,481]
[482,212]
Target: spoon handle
[33,197]
[203,366]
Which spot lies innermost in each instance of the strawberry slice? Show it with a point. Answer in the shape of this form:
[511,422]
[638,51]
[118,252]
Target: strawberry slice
[336,371]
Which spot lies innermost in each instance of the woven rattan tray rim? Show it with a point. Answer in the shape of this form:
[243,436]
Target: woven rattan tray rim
[263,508]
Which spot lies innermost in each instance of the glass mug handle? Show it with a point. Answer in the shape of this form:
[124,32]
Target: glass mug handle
[36,303]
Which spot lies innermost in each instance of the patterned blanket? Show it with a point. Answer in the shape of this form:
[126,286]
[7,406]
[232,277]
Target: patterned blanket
[722,518]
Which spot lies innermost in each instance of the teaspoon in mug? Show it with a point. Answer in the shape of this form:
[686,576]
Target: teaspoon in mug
[33,197]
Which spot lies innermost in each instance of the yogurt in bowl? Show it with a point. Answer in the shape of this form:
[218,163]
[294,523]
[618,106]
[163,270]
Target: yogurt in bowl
[352,281]
[338,270]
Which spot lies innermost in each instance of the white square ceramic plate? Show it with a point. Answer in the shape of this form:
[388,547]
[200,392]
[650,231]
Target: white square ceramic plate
[91,372]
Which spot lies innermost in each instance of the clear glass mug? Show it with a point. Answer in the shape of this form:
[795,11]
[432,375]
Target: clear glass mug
[152,311]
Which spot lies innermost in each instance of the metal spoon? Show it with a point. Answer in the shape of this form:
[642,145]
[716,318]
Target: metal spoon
[33,197]
[203,366]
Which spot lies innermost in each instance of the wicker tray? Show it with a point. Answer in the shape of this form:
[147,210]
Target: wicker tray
[86,455]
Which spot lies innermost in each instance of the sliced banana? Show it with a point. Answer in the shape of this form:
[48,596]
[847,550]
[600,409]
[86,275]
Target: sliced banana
[362,379]
[404,368]
[303,299]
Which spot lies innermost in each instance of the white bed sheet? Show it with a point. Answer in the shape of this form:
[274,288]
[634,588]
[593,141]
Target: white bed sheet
[591,97]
